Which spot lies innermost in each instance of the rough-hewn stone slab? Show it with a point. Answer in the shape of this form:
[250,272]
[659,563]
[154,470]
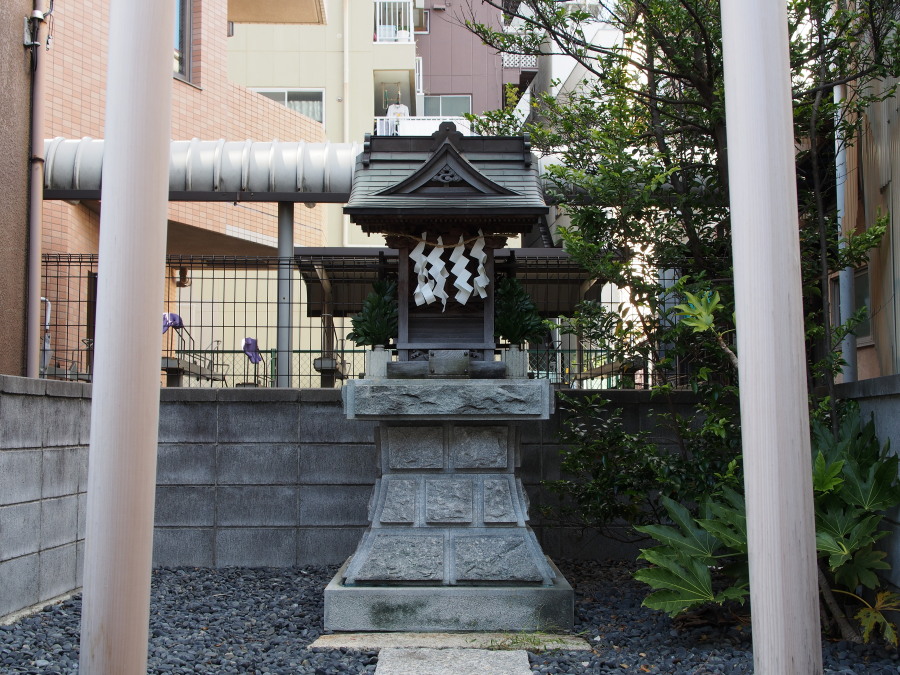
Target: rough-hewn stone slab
[403,558]
[400,501]
[498,558]
[498,504]
[448,501]
[415,447]
[436,399]
[480,447]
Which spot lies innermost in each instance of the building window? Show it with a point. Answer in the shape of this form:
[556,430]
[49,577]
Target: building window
[309,102]
[449,105]
[182,64]
[421,20]
[393,21]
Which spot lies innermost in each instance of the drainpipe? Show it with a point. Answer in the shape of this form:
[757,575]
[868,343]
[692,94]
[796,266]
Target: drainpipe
[125,408]
[36,195]
[774,415]
[285,272]
[345,220]
[846,277]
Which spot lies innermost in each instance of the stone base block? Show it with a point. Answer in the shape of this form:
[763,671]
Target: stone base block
[449,609]
[430,399]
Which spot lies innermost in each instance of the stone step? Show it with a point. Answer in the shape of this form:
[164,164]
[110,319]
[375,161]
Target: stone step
[534,641]
[393,661]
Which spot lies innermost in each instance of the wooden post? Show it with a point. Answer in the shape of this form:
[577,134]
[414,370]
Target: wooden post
[777,466]
[125,410]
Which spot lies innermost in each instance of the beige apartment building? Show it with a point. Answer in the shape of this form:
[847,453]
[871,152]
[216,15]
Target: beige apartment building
[382,66]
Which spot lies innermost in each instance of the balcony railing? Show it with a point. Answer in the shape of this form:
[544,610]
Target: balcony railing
[519,61]
[393,21]
[418,126]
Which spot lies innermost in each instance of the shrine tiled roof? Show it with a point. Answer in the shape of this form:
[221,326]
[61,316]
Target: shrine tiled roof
[406,183]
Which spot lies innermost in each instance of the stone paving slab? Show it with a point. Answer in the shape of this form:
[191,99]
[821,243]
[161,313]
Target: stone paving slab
[394,661]
[375,641]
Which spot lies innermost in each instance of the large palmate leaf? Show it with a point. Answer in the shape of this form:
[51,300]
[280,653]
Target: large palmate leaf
[686,537]
[730,522]
[826,475]
[860,569]
[840,532]
[681,582]
[872,616]
[873,488]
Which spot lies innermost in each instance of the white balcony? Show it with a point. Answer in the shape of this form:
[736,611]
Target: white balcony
[393,22]
[418,126]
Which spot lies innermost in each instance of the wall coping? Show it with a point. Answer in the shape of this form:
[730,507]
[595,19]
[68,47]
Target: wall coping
[888,385]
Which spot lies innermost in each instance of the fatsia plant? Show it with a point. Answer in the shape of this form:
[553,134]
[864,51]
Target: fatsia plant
[703,558]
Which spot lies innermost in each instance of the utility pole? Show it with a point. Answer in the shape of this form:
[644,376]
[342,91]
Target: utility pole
[774,414]
[125,408]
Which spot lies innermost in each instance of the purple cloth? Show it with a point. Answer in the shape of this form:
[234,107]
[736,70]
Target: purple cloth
[251,349]
[171,320]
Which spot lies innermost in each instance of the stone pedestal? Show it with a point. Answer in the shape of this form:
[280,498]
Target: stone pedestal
[449,547]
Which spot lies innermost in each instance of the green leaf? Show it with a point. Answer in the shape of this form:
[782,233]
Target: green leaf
[874,489]
[826,475]
[861,569]
[687,580]
[687,538]
[837,551]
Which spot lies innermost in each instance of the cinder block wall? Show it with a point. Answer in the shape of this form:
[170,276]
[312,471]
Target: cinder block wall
[261,477]
[257,477]
[44,429]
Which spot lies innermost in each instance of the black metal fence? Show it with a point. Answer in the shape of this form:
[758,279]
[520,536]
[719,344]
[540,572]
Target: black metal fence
[220,302]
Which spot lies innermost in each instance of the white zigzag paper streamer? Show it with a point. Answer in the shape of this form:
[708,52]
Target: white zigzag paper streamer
[461,274]
[481,281]
[438,272]
[423,294]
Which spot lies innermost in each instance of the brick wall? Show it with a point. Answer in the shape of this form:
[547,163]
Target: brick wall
[209,107]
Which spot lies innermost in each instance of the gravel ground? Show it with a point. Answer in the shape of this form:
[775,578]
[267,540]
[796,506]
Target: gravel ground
[259,621]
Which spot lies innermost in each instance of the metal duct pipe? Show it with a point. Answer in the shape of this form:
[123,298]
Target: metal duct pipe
[217,170]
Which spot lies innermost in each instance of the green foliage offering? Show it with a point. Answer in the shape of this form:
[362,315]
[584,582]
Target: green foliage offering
[703,558]
[376,324]
[516,318]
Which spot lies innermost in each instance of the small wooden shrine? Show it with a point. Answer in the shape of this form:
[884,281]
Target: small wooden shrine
[446,202]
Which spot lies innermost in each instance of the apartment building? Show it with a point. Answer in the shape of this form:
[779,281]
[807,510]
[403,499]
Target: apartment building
[383,66]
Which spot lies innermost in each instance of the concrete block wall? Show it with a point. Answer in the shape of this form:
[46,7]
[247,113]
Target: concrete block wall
[542,459]
[258,477]
[44,434]
[263,477]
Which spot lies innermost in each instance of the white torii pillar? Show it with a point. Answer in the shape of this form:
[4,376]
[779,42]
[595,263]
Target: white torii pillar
[125,409]
[775,427]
